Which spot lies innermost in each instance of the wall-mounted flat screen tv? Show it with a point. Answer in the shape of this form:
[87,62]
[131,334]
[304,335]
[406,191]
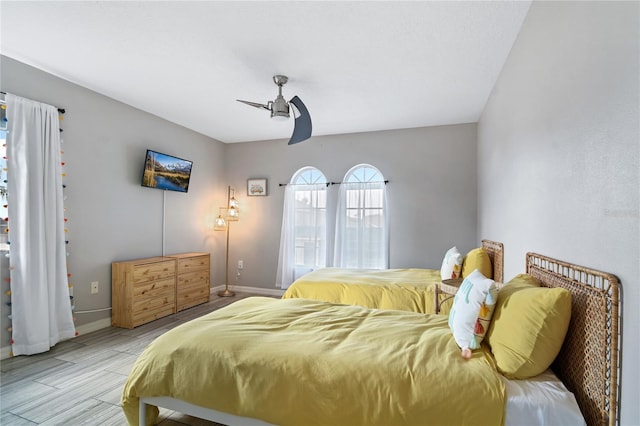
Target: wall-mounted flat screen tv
[166,172]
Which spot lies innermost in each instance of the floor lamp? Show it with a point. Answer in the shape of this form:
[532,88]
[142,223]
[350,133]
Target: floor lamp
[226,215]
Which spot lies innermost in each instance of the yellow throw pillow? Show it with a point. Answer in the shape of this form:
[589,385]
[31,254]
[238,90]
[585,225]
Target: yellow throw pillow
[528,327]
[477,259]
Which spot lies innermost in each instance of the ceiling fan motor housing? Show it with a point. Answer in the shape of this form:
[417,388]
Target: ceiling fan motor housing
[279,108]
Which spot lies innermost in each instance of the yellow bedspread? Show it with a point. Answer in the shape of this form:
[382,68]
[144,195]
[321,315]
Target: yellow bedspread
[302,362]
[403,289]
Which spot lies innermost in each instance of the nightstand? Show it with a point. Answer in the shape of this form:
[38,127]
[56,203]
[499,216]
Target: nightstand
[449,287]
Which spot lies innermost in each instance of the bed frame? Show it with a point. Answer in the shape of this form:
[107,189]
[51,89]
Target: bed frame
[587,363]
[495,250]
[195,411]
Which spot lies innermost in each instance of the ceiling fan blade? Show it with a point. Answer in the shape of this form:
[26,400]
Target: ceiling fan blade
[302,124]
[255,104]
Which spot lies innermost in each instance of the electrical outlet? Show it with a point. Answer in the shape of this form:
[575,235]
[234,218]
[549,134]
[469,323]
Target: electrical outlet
[240,264]
[94,287]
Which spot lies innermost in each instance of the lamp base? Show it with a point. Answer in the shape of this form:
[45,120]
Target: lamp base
[226,293]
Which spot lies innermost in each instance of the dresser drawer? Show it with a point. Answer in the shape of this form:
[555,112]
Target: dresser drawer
[151,314]
[192,295]
[157,288]
[192,278]
[194,263]
[193,286]
[154,271]
[159,302]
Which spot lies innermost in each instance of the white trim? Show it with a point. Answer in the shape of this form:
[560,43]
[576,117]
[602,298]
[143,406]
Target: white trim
[195,411]
[94,326]
[246,289]
[82,329]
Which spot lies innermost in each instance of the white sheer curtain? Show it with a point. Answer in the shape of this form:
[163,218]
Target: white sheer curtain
[286,257]
[362,226]
[40,304]
[304,233]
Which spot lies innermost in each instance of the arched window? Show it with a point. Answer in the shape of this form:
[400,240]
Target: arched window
[362,226]
[303,242]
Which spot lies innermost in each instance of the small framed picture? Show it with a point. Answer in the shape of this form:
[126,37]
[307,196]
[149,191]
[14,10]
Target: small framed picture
[256,187]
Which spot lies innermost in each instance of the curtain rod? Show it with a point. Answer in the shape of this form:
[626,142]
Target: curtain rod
[330,183]
[60,110]
[302,184]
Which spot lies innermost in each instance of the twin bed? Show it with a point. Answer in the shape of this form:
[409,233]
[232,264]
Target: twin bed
[404,289]
[295,361]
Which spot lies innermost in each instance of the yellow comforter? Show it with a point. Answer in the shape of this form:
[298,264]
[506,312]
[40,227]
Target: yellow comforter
[301,362]
[403,289]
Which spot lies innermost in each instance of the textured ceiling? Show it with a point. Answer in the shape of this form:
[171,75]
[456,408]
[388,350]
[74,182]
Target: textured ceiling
[358,66]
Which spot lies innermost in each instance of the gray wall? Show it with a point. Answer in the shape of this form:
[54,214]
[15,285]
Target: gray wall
[432,192]
[111,217]
[432,189]
[558,153]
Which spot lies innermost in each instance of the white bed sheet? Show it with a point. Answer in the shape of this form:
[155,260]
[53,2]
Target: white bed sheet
[541,400]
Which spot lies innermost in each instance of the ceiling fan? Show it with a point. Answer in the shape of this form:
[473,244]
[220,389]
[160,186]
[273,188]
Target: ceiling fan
[280,110]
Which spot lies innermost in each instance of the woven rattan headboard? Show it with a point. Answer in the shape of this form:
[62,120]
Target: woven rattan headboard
[496,254]
[588,361]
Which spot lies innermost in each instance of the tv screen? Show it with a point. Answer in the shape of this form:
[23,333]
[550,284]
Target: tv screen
[166,172]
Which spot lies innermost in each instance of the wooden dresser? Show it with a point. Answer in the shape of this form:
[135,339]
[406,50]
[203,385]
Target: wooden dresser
[192,279]
[144,290]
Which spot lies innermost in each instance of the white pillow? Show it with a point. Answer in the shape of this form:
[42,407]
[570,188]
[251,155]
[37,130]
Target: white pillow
[472,310]
[451,264]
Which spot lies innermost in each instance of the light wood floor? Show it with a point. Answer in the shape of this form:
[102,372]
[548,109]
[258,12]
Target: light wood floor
[80,381]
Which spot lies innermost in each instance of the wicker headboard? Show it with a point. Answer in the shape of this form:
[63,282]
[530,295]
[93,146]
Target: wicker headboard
[496,254]
[588,361]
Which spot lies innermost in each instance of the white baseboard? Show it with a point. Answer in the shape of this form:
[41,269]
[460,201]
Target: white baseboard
[246,289]
[106,322]
[5,352]
[93,326]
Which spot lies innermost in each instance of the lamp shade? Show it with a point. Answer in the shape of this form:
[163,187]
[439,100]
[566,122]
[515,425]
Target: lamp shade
[233,213]
[220,224]
[233,203]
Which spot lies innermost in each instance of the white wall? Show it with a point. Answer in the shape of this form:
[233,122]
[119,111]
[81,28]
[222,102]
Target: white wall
[558,155]
[111,217]
[557,169]
[432,192]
